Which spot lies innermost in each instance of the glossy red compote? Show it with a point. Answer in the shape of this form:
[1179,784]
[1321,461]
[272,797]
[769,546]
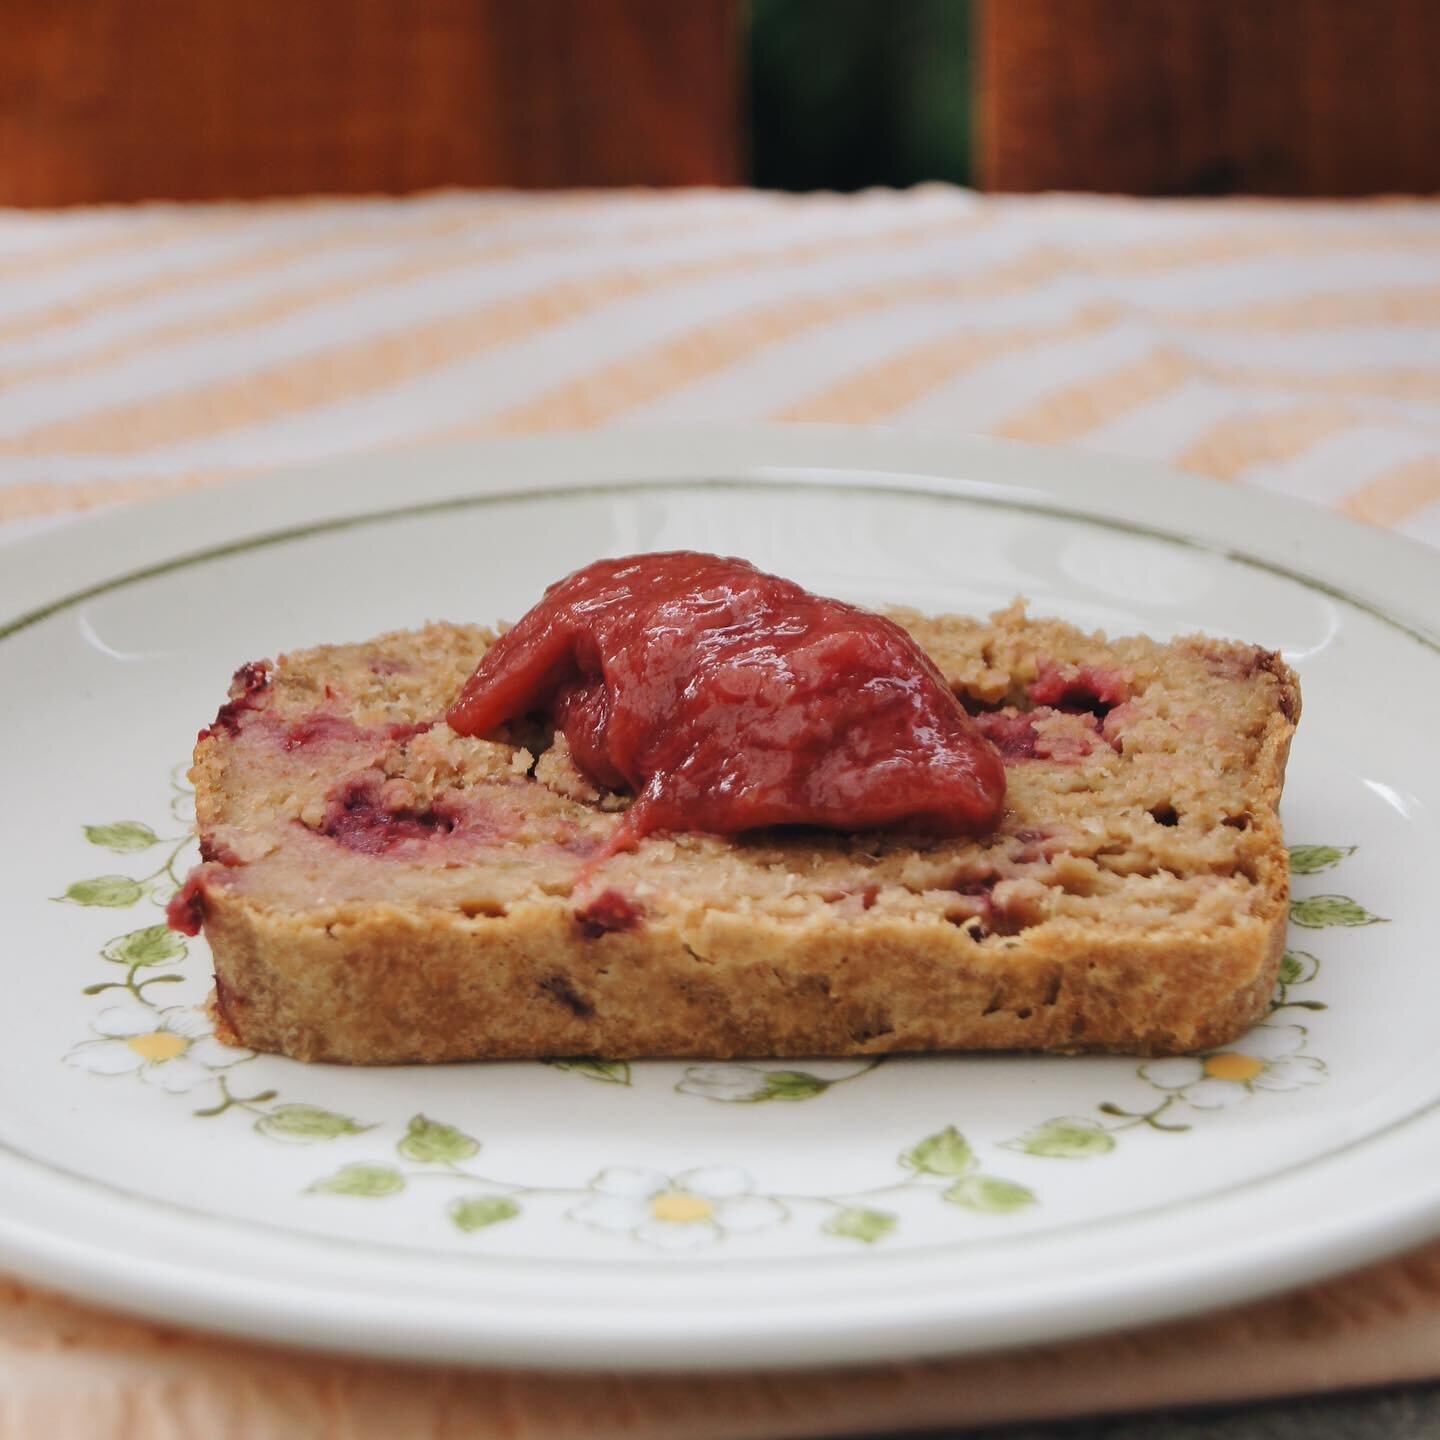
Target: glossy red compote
[729,699]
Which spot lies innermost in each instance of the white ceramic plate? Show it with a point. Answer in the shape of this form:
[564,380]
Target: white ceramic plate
[667,1215]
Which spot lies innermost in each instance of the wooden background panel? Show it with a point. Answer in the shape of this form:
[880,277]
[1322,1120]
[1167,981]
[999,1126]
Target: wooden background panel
[106,100]
[1171,97]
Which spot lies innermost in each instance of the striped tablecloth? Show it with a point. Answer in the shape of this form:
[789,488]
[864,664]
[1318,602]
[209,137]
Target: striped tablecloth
[153,349]
[1294,346]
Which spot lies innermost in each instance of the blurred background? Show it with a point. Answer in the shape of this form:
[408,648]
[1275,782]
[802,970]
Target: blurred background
[109,100]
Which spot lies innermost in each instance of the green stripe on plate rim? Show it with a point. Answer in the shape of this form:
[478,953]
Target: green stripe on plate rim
[336,523]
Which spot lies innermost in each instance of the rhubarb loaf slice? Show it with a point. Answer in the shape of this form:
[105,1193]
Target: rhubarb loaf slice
[378,889]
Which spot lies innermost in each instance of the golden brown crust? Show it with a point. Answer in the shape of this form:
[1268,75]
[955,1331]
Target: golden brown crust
[1114,931]
[393,988]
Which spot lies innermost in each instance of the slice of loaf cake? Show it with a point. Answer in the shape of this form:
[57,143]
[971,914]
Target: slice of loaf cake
[377,889]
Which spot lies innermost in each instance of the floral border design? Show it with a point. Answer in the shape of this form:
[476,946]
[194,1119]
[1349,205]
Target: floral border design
[676,1211]
[173,1049]
[1271,1058]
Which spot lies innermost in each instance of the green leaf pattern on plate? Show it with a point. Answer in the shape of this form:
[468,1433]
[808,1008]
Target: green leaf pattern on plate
[476,1212]
[111,891]
[1316,912]
[739,1084]
[1311,859]
[154,945]
[858,1223]
[130,837]
[307,1123]
[990,1195]
[428,1142]
[1298,967]
[608,1072]
[124,836]
[368,1182]
[1071,1137]
[945,1153]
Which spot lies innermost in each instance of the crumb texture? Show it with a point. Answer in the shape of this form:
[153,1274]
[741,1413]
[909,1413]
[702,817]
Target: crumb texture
[379,889]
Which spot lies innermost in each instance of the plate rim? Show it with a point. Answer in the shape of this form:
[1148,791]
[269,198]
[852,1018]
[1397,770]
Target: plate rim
[1399,569]
[617,486]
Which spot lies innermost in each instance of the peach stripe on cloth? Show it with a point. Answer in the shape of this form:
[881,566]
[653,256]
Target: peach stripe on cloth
[1292,346]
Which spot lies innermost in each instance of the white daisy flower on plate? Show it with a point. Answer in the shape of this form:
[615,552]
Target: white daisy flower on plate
[676,1212]
[172,1048]
[1268,1058]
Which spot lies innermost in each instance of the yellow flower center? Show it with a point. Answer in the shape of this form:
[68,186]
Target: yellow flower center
[681,1209]
[1231,1065]
[158,1046]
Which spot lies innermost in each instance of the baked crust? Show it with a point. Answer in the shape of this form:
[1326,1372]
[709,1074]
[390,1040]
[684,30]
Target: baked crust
[1134,899]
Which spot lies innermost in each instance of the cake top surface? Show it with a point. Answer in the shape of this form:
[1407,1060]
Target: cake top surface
[1142,785]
